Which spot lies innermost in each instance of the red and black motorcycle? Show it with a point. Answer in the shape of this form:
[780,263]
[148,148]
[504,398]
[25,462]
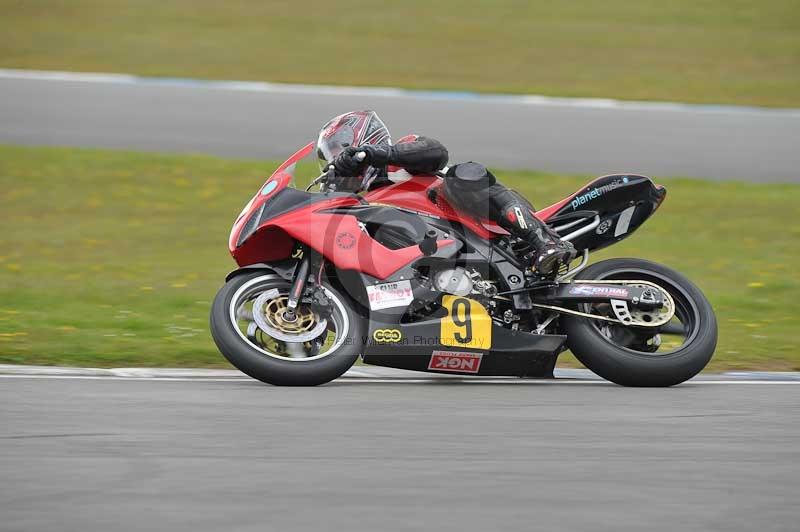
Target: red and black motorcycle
[401,279]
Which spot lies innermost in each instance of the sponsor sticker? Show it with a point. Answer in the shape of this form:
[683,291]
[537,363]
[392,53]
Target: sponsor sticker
[389,295]
[520,218]
[455,362]
[387,336]
[589,290]
[467,324]
[596,192]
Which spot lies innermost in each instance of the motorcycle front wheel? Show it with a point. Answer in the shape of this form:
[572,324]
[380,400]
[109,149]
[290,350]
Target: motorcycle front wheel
[310,346]
[644,356]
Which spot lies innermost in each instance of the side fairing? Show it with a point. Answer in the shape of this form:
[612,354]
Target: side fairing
[299,217]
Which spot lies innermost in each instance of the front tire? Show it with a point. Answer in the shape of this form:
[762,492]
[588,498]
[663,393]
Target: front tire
[631,356]
[245,349]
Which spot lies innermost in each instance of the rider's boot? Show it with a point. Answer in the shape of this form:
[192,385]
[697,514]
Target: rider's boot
[549,251]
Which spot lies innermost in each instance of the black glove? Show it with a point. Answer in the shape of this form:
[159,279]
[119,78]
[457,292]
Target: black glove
[377,156]
[348,163]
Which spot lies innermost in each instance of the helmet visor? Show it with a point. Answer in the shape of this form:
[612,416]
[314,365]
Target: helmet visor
[331,144]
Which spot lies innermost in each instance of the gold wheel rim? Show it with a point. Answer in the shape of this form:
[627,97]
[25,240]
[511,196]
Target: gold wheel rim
[275,312]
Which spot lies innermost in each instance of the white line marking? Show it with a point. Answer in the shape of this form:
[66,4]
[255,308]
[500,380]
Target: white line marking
[538,381]
[367,380]
[117,378]
[390,92]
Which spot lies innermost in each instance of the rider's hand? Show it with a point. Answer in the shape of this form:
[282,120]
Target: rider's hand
[377,156]
[349,163]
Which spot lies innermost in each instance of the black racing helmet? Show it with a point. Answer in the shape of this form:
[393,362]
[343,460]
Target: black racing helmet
[356,128]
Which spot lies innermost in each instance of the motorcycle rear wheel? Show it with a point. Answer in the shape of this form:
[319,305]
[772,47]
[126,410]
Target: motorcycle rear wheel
[243,340]
[635,356]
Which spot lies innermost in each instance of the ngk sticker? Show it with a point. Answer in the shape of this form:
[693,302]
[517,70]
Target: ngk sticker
[455,362]
[388,295]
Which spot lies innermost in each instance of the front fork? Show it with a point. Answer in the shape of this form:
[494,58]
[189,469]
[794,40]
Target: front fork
[310,261]
[298,285]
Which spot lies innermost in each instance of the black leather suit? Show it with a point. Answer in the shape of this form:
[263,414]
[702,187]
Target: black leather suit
[470,187]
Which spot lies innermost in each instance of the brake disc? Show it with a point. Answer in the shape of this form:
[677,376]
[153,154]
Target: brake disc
[270,314]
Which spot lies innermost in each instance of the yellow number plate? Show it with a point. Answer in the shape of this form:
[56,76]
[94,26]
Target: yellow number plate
[467,324]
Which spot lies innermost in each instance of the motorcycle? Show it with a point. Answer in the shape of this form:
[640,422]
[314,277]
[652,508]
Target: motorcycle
[399,278]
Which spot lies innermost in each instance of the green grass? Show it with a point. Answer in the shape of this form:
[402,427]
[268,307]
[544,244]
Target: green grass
[111,258]
[724,51]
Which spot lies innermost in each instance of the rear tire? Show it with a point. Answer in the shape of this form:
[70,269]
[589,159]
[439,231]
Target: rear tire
[630,367]
[274,369]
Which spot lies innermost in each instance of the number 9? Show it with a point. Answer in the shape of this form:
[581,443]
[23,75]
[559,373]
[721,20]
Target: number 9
[466,323]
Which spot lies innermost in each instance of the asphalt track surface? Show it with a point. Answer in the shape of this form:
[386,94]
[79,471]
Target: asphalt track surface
[592,137]
[99,453]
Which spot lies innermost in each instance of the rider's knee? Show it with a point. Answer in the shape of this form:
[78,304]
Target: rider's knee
[469,176]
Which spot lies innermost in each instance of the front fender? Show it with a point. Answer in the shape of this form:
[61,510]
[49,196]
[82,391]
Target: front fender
[284,268]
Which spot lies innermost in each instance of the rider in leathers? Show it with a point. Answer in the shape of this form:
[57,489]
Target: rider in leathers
[360,148]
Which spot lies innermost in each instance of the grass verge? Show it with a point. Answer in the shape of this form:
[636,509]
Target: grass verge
[718,51]
[111,258]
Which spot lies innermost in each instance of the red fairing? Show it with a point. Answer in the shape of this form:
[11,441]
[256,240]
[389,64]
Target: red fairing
[281,177]
[266,245]
[547,212]
[340,239]
[413,195]
[337,237]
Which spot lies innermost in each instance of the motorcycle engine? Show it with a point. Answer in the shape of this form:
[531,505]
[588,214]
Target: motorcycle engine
[454,281]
